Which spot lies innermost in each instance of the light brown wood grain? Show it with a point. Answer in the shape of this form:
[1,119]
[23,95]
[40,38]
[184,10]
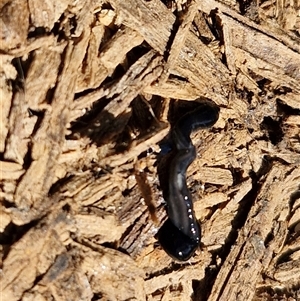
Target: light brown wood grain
[88,92]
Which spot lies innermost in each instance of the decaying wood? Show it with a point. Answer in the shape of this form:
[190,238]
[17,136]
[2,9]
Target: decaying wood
[88,91]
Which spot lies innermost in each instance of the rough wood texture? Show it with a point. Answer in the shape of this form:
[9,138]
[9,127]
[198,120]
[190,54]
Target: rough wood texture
[88,89]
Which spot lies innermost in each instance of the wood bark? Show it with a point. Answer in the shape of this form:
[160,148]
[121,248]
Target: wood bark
[89,90]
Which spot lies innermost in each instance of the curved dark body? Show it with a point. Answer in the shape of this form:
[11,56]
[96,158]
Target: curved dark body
[180,234]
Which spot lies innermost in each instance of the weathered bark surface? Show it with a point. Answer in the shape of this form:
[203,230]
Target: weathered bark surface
[86,88]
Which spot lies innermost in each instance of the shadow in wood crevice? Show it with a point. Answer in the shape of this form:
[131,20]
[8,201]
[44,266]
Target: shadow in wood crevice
[102,127]
[244,5]
[97,296]
[61,183]
[13,233]
[286,110]
[37,32]
[202,288]
[22,67]
[273,128]
[99,124]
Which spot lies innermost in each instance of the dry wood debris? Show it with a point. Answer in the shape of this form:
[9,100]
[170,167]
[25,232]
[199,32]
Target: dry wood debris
[88,90]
